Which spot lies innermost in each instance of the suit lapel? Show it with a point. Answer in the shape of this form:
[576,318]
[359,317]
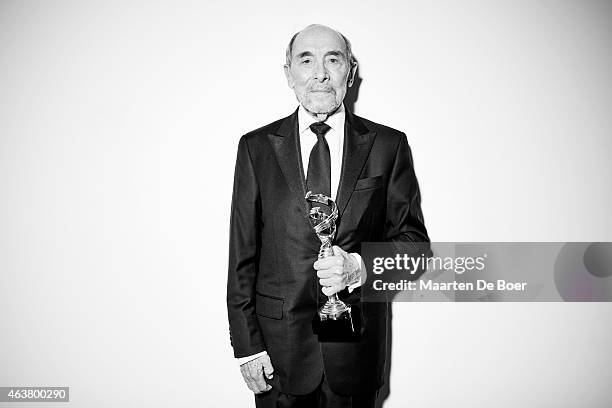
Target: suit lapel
[358,142]
[286,145]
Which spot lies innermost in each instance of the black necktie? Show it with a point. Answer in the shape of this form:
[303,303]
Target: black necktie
[318,178]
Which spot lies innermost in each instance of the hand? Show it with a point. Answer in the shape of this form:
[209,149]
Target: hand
[253,373]
[338,271]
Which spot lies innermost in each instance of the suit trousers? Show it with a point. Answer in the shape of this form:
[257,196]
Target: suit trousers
[321,397]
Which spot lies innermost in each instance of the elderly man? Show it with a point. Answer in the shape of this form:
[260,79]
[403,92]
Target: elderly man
[275,282]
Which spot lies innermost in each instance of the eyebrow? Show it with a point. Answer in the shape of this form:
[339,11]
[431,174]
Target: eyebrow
[305,54]
[310,54]
[335,53]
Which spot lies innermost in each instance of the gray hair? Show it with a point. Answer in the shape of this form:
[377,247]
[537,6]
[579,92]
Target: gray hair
[349,50]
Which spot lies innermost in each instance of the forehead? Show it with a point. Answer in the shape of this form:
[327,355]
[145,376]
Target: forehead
[321,39]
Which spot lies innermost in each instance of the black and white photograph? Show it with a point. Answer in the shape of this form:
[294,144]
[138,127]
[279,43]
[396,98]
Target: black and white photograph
[387,204]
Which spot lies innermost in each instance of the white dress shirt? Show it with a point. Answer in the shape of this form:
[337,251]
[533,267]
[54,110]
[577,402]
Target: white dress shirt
[334,138]
[335,141]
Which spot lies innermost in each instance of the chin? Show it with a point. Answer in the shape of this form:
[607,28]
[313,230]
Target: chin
[320,107]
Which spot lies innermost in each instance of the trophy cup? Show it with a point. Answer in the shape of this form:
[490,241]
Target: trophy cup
[335,322]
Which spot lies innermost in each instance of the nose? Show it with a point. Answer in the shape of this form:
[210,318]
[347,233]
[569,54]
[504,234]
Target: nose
[320,72]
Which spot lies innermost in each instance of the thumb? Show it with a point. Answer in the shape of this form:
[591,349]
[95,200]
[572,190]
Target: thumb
[267,367]
[338,250]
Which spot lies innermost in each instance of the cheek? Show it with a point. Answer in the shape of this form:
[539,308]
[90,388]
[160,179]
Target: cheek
[300,75]
[340,81]
[302,81]
[340,88]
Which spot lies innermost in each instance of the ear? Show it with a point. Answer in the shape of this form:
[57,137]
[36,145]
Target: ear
[352,72]
[289,76]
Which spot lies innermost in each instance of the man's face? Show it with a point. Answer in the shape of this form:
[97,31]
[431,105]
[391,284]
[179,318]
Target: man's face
[320,70]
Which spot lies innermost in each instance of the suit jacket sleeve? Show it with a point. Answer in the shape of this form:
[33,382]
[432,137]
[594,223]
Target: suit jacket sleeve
[244,247]
[404,221]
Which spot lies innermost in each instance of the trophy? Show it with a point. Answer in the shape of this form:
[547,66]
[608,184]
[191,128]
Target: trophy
[335,321]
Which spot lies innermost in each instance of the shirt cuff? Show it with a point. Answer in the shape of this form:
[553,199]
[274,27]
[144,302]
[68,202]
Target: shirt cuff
[360,273]
[242,360]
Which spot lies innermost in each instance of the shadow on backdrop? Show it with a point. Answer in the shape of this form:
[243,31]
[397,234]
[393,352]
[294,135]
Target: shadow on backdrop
[350,100]
[352,93]
[385,390]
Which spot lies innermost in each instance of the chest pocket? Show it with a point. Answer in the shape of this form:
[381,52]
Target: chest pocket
[368,183]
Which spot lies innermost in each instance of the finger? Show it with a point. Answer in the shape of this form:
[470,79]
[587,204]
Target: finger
[254,372]
[330,290]
[333,281]
[330,272]
[252,387]
[267,366]
[328,262]
[255,388]
[246,375]
[260,382]
[337,270]
[249,372]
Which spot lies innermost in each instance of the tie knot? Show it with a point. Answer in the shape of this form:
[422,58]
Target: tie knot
[320,128]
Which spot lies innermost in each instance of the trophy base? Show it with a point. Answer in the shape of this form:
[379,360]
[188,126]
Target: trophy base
[334,310]
[337,324]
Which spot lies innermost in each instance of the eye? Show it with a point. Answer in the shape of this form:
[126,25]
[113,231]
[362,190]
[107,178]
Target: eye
[334,60]
[306,61]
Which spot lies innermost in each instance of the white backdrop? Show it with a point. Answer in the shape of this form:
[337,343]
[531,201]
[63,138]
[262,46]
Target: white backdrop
[119,123]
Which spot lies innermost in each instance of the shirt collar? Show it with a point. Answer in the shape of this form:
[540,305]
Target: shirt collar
[335,121]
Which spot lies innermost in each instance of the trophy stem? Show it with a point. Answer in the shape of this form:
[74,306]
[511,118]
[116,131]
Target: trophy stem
[334,308]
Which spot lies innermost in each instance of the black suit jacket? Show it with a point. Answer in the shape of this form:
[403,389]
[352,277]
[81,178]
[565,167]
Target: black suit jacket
[272,288]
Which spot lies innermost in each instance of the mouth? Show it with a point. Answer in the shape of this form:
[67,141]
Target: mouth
[321,91]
